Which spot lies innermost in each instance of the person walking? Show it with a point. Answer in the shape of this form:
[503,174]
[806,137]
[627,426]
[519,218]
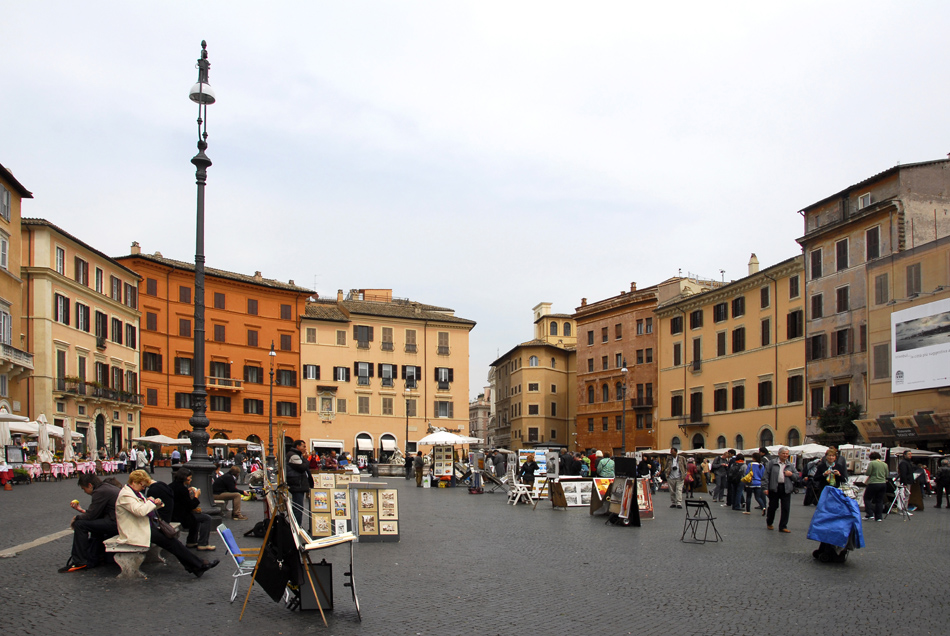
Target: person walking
[418,464]
[780,477]
[674,473]
[754,487]
[876,487]
[736,472]
[720,467]
[605,467]
[942,479]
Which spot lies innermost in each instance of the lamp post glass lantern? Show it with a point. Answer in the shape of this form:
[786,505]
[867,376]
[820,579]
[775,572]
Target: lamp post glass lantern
[271,460]
[200,463]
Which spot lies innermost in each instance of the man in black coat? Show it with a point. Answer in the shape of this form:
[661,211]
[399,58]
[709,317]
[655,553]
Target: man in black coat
[299,479]
[225,489]
[161,490]
[92,526]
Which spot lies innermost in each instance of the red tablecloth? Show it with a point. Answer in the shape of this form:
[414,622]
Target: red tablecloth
[5,476]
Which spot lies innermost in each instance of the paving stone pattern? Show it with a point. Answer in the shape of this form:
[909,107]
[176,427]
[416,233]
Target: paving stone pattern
[470,564]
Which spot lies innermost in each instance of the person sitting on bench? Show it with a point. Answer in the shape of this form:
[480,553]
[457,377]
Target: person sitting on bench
[225,489]
[93,526]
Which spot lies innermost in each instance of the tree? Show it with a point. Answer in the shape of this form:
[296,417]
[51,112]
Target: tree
[836,422]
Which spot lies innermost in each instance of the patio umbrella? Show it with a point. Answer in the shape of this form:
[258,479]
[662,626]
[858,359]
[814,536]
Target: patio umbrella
[444,438]
[91,441]
[228,442]
[5,439]
[42,442]
[164,440]
[68,454]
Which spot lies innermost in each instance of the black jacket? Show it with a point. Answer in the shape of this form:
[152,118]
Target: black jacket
[225,483]
[161,490]
[905,472]
[102,505]
[299,478]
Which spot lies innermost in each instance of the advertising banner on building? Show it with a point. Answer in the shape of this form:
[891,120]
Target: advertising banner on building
[920,347]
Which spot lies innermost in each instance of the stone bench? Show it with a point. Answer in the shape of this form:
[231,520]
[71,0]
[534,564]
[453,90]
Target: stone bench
[131,557]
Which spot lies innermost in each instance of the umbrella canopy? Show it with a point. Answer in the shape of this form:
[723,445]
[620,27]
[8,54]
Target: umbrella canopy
[808,451]
[91,441]
[68,454]
[10,417]
[164,440]
[5,439]
[24,428]
[42,443]
[444,438]
[228,442]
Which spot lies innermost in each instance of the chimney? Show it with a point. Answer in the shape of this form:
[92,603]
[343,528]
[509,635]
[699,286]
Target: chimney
[136,248]
[633,286]
[753,265]
[583,302]
[257,276]
[339,295]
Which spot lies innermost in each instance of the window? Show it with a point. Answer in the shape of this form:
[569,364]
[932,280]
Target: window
[842,300]
[151,397]
[311,335]
[61,308]
[251,306]
[605,393]
[764,297]
[738,397]
[287,377]
[311,372]
[80,271]
[532,387]
[5,203]
[286,312]
[363,335]
[219,333]
[697,353]
[286,342]
[590,425]
[649,325]
[816,264]
[387,406]
[130,333]
[880,289]
[677,354]
[116,331]
[842,342]
[618,361]
[618,330]
[817,400]
[640,358]
[603,334]
[150,361]
[913,280]
[254,375]
[590,337]
[387,374]
[839,394]
[765,393]
[721,343]
[590,395]
[151,322]
[720,398]
[864,200]
[410,340]
[816,348]
[696,407]
[793,290]
[99,278]
[590,365]
[738,340]
[444,377]
[184,327]
[411,374]
[553,410]
[411,408]
[676,325]
[182,400]
[649,355]
[696,319]
[533,361]
[218,300]
[4,249]
[116,289]
[816,306]
[862,338]
[60,260]
[604,423]
[183,366]
[184,294]
[364,371]
[841,255]
[341,404]
[443,408]
[254,407]
[872,243]
[720,312]
[219,403]
[604,363]
[794,325]
[532,409]
[553,388]
[386,344]
[553,329]
[82,318]
[796,388]
[252,337]
[676,406]
[639,327]
[738,306]
[766,332]
[102,325]
[882,361]
[287,409]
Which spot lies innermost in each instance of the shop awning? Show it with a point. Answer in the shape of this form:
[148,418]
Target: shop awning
[388,444]
[364,444]
[326,443]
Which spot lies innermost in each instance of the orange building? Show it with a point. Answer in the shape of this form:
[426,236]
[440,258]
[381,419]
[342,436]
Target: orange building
[244,315]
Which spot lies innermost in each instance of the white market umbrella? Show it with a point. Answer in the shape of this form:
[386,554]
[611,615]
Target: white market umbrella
[808,451]
[5,439]
[92,442]
[24,428]
[228,442]
[444,438]
[164,440]
[68,454]
[42,442]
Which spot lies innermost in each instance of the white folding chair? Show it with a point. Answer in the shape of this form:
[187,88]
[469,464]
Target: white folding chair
[244,563]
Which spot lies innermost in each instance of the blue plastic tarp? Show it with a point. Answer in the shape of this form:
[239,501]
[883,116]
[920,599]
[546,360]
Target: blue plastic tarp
[836,518]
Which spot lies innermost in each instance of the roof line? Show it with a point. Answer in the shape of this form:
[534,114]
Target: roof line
[45,223]
[8,176]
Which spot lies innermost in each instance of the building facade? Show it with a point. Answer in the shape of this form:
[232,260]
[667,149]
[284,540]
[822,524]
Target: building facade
[245,316]
[479,413]
[616,357]
[732,362]
[888,213]
[81,322]
[377,371]
[16,363]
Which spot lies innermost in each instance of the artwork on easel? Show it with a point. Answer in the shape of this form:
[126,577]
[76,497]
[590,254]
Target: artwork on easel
[321,525]
[320,500]
[366,500]
[388,508]
[340,503]
[388,527]
[368,524]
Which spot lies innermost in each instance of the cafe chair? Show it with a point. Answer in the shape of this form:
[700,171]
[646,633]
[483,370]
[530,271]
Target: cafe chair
[698,513]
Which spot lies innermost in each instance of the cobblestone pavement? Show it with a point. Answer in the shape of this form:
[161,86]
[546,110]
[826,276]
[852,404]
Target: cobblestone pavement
[474,565]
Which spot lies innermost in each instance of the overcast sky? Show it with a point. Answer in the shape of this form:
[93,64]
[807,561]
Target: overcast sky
[482,156]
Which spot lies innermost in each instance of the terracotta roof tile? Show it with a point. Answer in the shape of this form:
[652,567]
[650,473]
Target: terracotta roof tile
[220,273]
[325,309]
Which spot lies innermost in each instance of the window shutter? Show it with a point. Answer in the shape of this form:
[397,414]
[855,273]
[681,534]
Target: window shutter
[380,371]
[356,368]
[451,375]
[318,372]
[227,371]
[177,366]
[371,370]
[403,372]
[347,374]
[355,332]
[65,310]
[293,378]
[245,373]
[451,410]
[159,357]
[436,374]
[370,334]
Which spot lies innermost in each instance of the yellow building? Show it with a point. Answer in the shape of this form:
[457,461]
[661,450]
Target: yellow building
[81,321]
[915,278]
[732,362]
[377,370]
[16,364]
[533,388]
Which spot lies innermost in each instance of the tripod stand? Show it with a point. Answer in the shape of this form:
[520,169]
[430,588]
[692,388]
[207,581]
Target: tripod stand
[901,495]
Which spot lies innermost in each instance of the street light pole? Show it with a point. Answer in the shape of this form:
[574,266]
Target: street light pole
[271,460]
[407,418]
[200,463]
[623,418]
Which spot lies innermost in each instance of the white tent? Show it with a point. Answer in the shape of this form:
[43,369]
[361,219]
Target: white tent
[444,438]
[808,451]
[164,440]
[228,442]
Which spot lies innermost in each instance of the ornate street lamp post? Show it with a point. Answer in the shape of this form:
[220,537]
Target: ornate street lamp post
[408,393]
[623,418]
[271,460]
[200,464]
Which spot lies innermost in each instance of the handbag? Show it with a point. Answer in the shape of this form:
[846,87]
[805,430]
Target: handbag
[747,478]
[167,529]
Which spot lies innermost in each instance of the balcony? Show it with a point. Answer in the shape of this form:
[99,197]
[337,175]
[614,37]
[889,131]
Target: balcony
[642,401]
[225,384]
[696,366]
[81,388]
[386,346]
[442,350]
[411,348]
[362,344]
[14,362]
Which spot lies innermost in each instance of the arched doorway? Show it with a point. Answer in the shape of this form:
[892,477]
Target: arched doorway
[698,440]
[794,437]
[675,443]
[387,446]
[766,438]
[152,431]
[364,449]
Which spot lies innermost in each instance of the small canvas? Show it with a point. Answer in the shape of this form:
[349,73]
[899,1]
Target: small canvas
[340,503]
[366,500]
[321,525]
[320,500]
[368,524]
[388,527]
[388,505]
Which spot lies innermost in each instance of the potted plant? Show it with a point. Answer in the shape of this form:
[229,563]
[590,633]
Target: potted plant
[21,476]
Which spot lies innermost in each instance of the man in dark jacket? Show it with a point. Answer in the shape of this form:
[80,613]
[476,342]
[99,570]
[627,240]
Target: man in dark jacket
[299,479]
[225,489]
[161,490]
[198,524]
[92,526]
[905,474]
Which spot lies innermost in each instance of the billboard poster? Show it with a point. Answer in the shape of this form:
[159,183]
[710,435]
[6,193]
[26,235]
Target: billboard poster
[920,347]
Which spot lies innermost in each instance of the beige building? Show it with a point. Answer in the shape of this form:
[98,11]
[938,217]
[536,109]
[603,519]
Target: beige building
[16,364]
[732,361]
[479,413]
[377,370]
[81,321]
[533,386]
[916,277]
[888,213]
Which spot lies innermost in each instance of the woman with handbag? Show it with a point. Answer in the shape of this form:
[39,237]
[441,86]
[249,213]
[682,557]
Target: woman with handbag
[138,524]
[198,524]
[753,484]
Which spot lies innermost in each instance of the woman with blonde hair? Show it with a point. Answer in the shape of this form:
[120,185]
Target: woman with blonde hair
[136,518]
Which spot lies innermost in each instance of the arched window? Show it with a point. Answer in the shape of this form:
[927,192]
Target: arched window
[220,436]
[765,438]
[619,391]
[553,328]
[721,441]
[698,440]
[533,361]
[183,434]
[567,329]
[152,431]
[254,439]
[794,437]
[605,390]
[590,394]
[675,443]
[740,443]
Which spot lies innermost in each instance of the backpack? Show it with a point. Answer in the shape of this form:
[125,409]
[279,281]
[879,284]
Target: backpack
[735,473]
[259,530]
[585,470]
